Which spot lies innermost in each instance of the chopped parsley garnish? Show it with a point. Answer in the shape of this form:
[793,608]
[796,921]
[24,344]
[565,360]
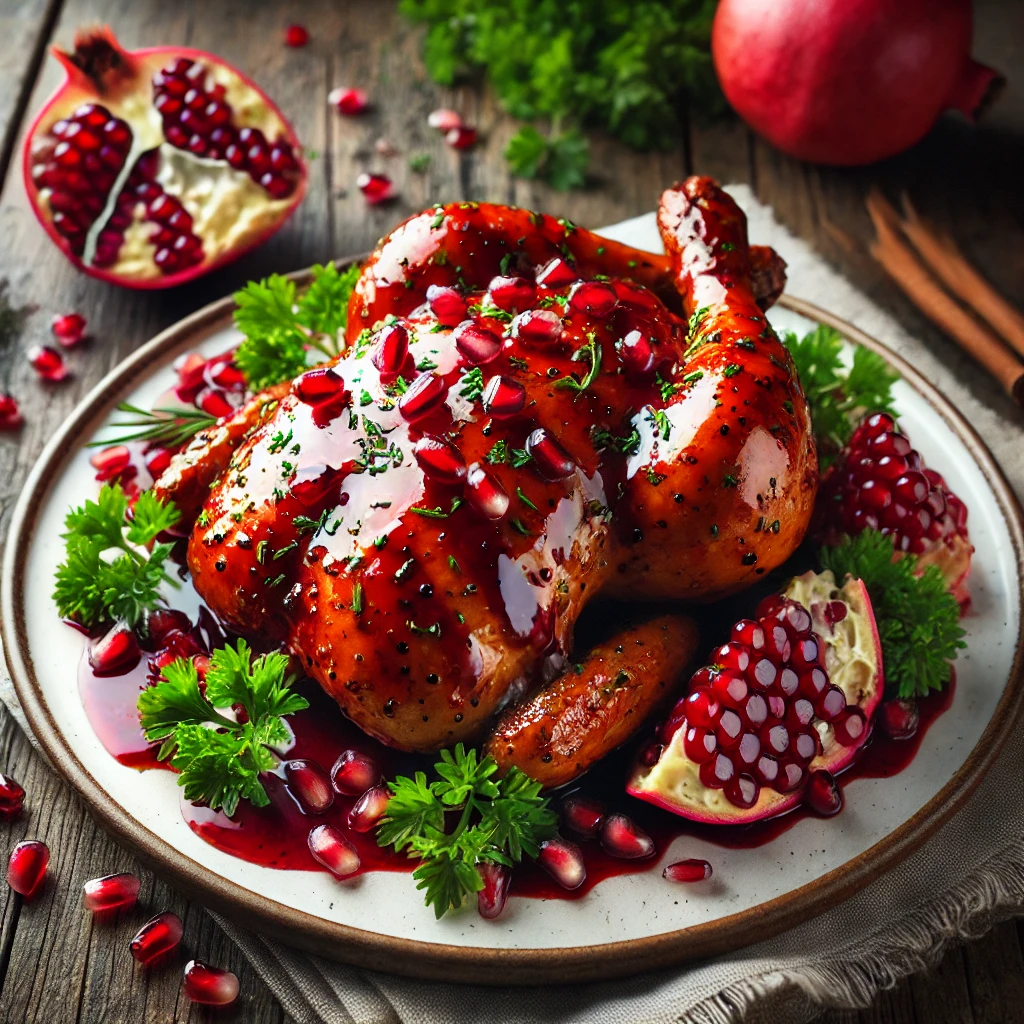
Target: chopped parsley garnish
[437,512]
[499,821]
[106,574]
[220,759]
[498,454]
[591,353]
[489,309]
[918,618]
[525,500]
[471,385]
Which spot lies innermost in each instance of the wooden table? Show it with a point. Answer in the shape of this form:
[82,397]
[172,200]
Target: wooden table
[56,965]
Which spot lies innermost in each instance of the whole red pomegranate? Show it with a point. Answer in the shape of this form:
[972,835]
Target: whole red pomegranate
[152,167]
[847,81]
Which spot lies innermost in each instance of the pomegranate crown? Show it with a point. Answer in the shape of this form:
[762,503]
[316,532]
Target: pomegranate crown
[98,57]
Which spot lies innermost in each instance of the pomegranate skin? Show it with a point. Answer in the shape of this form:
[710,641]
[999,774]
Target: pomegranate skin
[847,82]
[77,89]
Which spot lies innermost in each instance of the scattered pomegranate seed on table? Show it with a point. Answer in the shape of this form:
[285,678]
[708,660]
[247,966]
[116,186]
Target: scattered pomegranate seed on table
[69,329]
[110,893]
[157,937]
[12,797]
[461,137]
[687,871]
[350,102]
[26,868]
[10,414]
[296,36]
[376,188]
[47,362]
[211,986]
[444,120]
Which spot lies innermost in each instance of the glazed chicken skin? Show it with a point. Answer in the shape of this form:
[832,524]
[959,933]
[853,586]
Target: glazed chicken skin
[528,416]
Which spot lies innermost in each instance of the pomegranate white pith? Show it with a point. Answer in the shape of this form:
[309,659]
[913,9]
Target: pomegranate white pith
[152,167]
[849,655]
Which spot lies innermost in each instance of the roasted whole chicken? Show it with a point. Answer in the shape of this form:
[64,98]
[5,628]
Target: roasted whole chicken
[527,417]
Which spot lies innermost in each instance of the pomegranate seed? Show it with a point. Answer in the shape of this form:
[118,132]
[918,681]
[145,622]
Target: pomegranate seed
[700,709]
[537,327]
[296,35]
[391,349]
[556,273]
[156,938]
[162,620]
[687,871]
[354,772]
[110,893]
[823,795]
[214,403]
[486,493]
[191,370]
[310,784]
[742,792]
[323,384]
[426,394]
[503,396]
[461,137]
[376,188]
[115,653]
[585,817]
[111,462]
[791,775]
[717,772]
[26,868]
[512,294]
[10,414]
[553,462]
[69,329]
[440,460]
[447,304]
[850,727]
[331,848]
[477,344]
[444,120]
[369,809]
[157,461]
[563,861]
[12,797]
[47,362]
[211,986]
[593,298]
[831,705]
[699,744]
[900,718]
[491,899]
[622,837]
[350,102]
[636,353]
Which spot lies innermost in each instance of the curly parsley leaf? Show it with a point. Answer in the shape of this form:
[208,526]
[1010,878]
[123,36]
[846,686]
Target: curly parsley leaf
[837,397]
[501,820]
[918,618]
[282,327]
[219,759]
[560,160]
[107,574]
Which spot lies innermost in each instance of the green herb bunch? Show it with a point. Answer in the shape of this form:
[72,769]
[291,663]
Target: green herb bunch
[499,820]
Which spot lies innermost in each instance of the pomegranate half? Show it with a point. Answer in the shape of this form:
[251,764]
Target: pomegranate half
[791,693]
[149,168]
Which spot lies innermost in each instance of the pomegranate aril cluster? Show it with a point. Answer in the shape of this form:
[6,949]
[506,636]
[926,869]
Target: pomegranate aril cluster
[882,484]
[79,162]
[750,715]
[197,118]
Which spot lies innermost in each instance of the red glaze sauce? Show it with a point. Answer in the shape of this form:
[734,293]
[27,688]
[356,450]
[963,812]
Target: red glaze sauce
[275,836]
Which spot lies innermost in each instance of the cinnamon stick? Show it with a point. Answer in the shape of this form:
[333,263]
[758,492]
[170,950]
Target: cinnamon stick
[942,309]
[940,253]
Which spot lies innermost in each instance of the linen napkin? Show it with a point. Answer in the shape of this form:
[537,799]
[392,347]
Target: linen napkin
[968,876]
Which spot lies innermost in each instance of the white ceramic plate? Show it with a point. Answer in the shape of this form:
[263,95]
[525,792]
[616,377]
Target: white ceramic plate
[626,923]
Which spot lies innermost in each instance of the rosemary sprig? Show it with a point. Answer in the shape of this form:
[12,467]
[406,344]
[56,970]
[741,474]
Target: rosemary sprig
[171,427]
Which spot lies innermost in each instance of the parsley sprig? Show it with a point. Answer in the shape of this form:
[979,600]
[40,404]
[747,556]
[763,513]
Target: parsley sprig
[282,327]
[166,426]
[918,618]
[838,397]
[107,574]
[219,759]
[499,821]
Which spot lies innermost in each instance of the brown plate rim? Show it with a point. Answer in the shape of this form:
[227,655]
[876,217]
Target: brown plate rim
[440,961]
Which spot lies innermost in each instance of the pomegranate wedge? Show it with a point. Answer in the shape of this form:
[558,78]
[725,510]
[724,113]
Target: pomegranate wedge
[149,168]
[787,700]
